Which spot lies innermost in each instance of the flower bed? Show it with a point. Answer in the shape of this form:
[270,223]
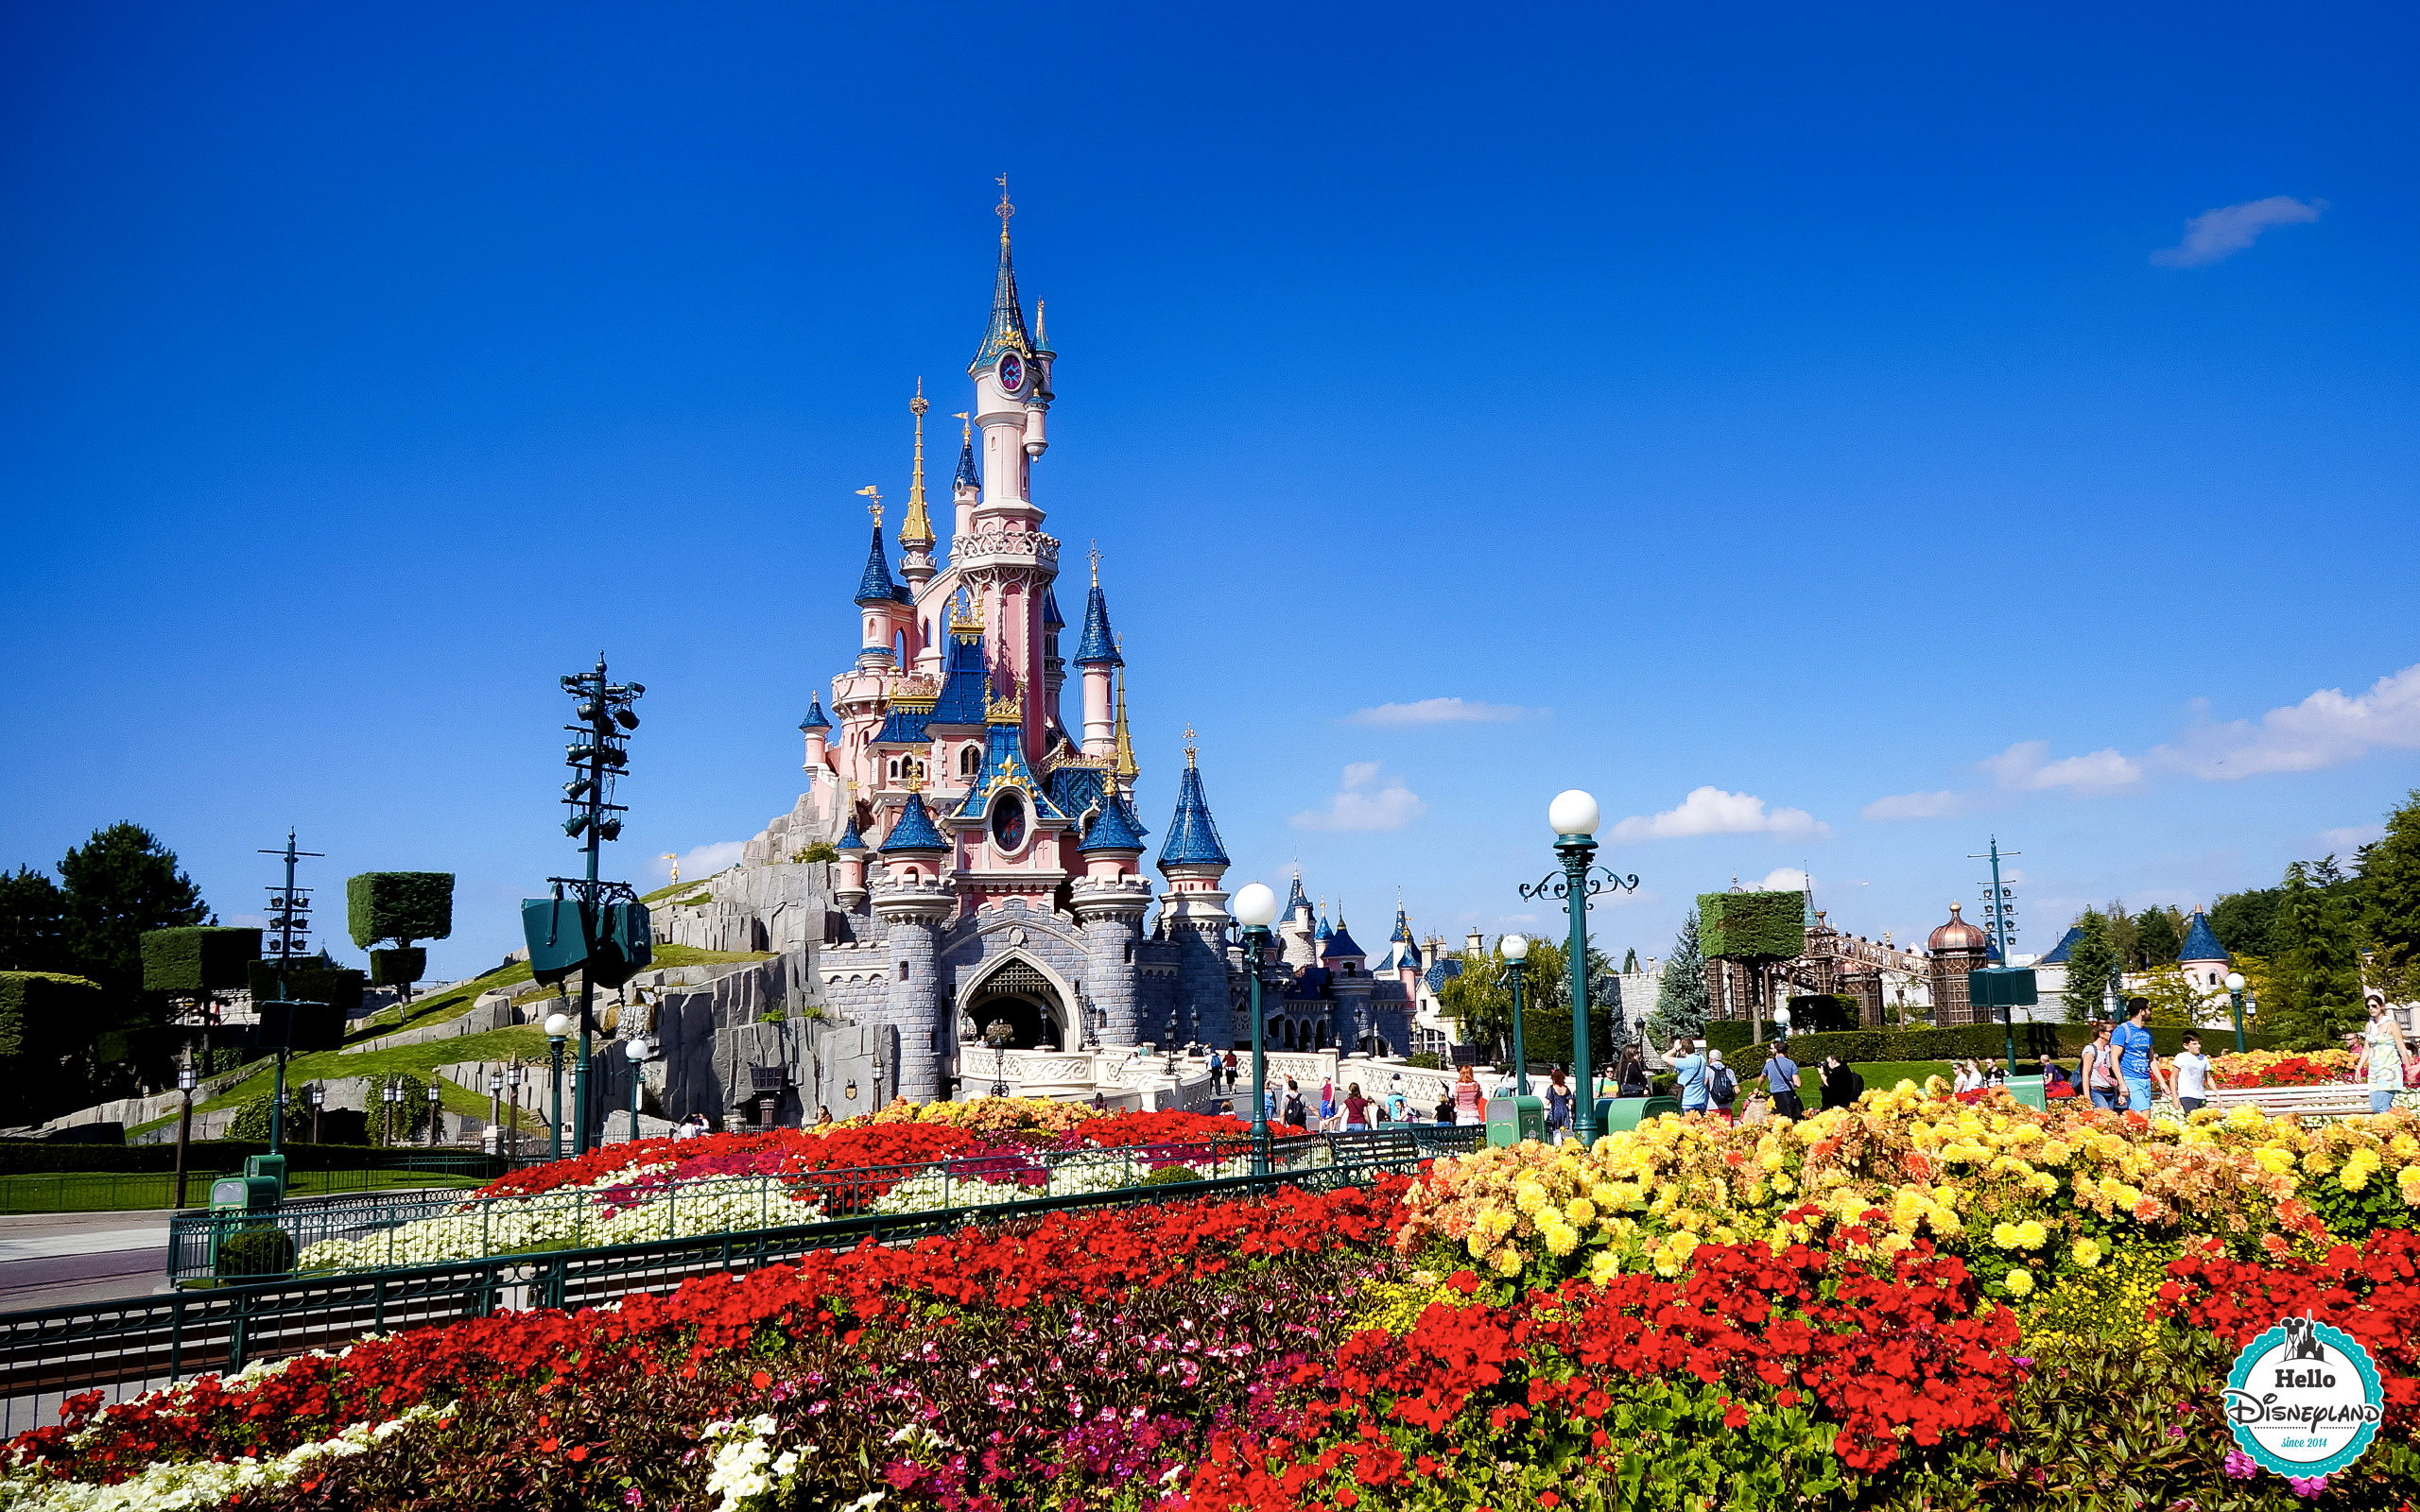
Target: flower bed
[994,1151]
[1811,1344]
[2281,1068]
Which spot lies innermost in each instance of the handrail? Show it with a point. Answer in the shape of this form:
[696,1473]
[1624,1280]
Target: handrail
[138,1343]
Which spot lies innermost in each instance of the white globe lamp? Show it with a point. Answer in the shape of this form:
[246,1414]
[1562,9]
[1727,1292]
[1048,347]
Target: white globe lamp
[1255,906]
[557,1025]
[1572,812]
[1514,948]
[2234,981]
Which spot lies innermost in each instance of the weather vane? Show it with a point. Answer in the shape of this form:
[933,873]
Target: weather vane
[874,508]
[1004,210]
[1095,555]
[920,403]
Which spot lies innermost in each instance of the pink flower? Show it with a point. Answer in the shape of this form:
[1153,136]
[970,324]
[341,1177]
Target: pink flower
[2240,1466]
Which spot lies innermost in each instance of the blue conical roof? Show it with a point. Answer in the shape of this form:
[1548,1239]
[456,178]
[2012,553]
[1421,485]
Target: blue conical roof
[1298,899]
[915,831]
[1116,830]
[2066,945]
[814,719]
[967,477]
[850,839]
[1007,330]
[1403,928]
[1322,932]
[1098,644]
[1340,943]
[876,586]
[1193,839]
[2201,942]
[1051,618]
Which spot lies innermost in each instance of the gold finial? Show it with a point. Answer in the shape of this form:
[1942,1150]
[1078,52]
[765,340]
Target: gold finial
[1126,767]
[1189,745]
[1095,564]
[676,865]
[870,491]
[1004,210]
[1007,711]
[917,529]
[912,783]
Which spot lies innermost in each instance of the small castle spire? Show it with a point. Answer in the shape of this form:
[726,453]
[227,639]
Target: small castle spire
[1097,644]
[1007,330]
[1193,837]
[917,529]
[1127,770]
[967,476]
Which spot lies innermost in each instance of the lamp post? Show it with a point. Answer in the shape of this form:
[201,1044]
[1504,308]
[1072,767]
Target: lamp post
[390,1094]
[513,1102]
[495,1105]
[1256,908]
[318,1097]
[1573,817]
[186,1080]
[1517,966]
[557,1025]
[2234,998]
[637,1080]
[436,1112]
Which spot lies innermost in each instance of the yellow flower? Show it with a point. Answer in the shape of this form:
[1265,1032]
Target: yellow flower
[1580,1209]
[2019,1281]
[2087,1253]
[1508,1261]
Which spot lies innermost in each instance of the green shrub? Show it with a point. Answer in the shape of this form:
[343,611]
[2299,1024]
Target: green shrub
[254,1251]
[398,968]
[1425,1060]
[820,850]
[1168,1176]
[1752,926]
[41,1014]
[197,960]
[399,906]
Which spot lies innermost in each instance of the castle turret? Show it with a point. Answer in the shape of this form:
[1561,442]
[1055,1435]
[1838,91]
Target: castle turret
[916,531]
[968,487]
[1098,659]
[1008,400]
[1109,904]
[1194,912]
[817,730]
[913,902]
[877,599]
[2204,960]
[849,871]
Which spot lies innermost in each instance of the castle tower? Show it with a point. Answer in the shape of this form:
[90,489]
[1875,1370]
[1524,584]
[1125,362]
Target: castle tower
[849,871]
[2204,960]
[878,599]
[818,732]
[913,902]
[1109,904]
[916,531]
[1956,948]
[1195,910]
[1349,966]
[968,486]
[1097,659]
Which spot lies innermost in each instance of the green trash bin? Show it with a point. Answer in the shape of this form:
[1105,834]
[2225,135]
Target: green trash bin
[2028,1090]
[1503,1127]
[1614,1114]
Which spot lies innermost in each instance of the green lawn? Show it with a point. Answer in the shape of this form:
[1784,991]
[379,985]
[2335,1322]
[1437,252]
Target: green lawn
[120,1191]
[1883,1076]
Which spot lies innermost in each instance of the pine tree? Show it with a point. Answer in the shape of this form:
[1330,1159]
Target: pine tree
[118,885]
[2091,965]
[2391,896]
[2158,935]
[2241,921]
[1680,998]
[2315,981]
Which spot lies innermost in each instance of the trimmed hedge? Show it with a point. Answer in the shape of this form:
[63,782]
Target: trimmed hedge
[18,1157]
[204,959]
[322,1028]
[42,1017]
[398,968]
[1752,926]
[399,906]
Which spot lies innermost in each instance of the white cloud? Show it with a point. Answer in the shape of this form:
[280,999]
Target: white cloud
[703,860]
[1785,878]
[1436,712]
[2215,236]
[1711,811]
[2325,730]
[2021,768]
[2350,838]
[1913,806]
[1365,802]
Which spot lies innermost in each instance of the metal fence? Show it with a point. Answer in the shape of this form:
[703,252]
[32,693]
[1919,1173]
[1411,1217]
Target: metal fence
[384,1232]
[133,1191]
[142,1343]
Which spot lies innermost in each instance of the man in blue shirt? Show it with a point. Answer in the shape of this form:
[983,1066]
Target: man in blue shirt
[2132,1042]
[1781,1081]
[1689,1064]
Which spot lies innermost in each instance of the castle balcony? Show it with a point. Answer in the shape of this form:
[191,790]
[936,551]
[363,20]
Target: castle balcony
[1004,548]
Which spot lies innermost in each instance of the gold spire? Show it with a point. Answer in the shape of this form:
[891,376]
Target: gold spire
[1127,770]
[917,529]
[1189,745]
[870,491]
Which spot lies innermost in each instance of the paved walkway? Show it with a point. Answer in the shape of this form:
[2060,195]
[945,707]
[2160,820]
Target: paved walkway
[62,1259]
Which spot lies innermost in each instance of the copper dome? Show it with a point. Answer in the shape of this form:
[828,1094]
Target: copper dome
[1958,934]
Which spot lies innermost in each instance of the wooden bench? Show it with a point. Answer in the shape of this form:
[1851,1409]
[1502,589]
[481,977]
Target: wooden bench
[1373,1147]
[2330,1100]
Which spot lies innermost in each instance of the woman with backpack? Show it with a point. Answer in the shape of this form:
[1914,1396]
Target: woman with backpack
[1558,1107]
[1721,1085]
[2100,1070]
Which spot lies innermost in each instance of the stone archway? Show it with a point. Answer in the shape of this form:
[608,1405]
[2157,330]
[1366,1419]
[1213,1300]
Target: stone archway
[1024,994]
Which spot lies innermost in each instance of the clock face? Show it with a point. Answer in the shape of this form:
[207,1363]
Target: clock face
[1012,372]
[1008,821]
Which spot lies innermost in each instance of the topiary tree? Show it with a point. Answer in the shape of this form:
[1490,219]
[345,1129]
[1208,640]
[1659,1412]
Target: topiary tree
[1756,929]
[401,906]
[198,962]
[39,1012]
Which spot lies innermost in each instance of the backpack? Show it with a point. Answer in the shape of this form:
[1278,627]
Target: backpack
[1724,1087]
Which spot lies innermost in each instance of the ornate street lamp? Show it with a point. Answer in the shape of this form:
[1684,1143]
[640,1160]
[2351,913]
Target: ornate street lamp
[636,1050]
[1573,816]
[318,1097]
[435,1112]
[1000,1034]
[2234,998]
[1516,967]
[1256,908]
[557,1025]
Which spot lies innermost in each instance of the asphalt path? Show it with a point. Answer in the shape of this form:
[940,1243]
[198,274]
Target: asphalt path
[66,1258]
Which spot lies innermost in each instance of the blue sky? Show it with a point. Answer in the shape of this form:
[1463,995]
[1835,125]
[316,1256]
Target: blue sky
[1832,412]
